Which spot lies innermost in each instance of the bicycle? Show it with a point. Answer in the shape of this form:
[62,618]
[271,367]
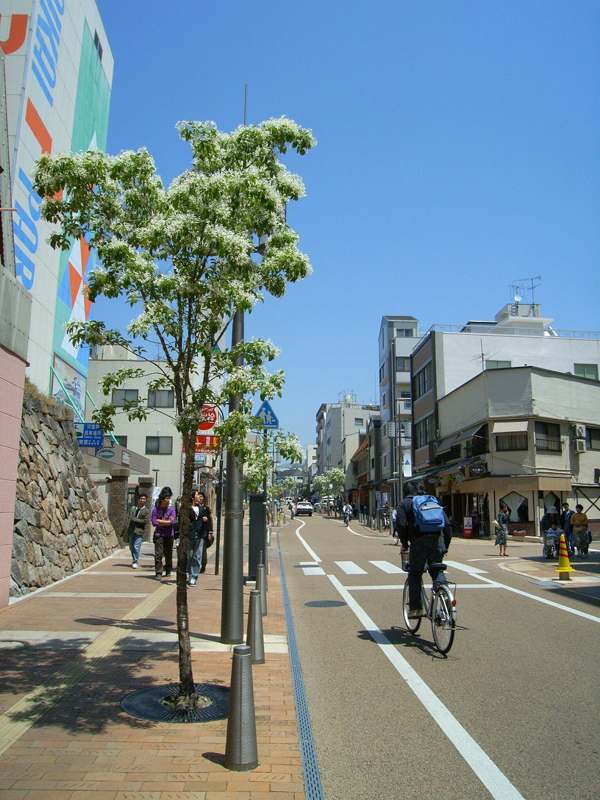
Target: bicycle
[439,607]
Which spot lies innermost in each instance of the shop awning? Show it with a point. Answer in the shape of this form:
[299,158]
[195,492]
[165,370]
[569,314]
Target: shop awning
[468,433]
[445,445]
[512,426]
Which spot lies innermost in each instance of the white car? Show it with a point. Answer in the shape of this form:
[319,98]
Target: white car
[304,507]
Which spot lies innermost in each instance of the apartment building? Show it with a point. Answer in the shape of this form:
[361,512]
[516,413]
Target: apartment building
[494,405]
[336,421]
[397,337]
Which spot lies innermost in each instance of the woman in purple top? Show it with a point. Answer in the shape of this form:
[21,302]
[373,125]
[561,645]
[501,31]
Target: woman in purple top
[163,519]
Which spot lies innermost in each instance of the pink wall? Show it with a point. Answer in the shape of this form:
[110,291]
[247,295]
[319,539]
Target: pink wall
[12,377]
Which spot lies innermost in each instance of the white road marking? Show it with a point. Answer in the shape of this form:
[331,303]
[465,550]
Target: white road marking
[350,568]
[466,568]
[313,570]
[488,773]
[385,566]
[394,586]
[541,599]
[310,552]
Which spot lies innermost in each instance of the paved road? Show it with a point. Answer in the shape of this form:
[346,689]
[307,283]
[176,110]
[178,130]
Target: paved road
[512,711]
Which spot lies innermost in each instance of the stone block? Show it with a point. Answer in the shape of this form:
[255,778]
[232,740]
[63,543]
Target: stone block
[23,511]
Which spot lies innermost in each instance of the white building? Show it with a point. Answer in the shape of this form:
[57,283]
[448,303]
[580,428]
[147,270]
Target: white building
[448,433]
[156,438]
[336,421]
[526,436]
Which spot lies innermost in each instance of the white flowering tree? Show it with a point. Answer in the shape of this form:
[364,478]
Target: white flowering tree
[184,259]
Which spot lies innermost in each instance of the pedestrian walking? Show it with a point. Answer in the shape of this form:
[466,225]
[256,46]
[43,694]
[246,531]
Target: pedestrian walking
[163,520]
[501,525]
[565,524]
[138,520]
[200,530]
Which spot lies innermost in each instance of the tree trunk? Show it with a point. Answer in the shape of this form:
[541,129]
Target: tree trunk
[187,691]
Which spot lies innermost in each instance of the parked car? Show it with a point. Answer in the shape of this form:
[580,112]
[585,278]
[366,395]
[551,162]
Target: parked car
[304,507]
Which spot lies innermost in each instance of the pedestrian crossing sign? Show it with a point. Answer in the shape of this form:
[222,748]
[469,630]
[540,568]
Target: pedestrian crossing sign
[267,416]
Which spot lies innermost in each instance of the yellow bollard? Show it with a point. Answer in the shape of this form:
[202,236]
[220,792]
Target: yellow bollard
[564,565]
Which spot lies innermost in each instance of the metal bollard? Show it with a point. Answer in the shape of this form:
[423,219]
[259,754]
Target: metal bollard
[241,751]
[261,561]
[261,586]
[254,637]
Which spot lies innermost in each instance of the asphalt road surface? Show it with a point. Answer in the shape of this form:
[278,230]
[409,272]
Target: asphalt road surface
[511,712]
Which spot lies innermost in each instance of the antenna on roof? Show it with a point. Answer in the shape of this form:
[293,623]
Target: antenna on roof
[519,287]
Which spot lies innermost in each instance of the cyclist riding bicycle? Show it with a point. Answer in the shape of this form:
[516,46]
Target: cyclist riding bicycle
[426,547]
[347,514]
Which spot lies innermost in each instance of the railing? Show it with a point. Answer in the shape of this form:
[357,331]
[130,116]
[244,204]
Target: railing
[501,330]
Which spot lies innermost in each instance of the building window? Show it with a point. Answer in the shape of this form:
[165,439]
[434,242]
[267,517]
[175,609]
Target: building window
[384,400]
[423,432]
[161,398]
[478,444]
[97,44]
[122,440]
[589,371]
[402,364]
[511,441]
[423,381]
[385,461]
[359,422]
[122,397]
[382,372]
[592,438]
[405,333]
[490,364]
[547,437]
[159,445]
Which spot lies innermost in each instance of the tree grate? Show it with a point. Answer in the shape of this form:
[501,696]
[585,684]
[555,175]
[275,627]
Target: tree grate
[149,704]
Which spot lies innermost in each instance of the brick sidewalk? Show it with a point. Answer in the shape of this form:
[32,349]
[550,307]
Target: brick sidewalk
[68,657]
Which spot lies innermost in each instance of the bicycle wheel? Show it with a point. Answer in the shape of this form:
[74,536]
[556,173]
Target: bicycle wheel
[442,619]
[411,624]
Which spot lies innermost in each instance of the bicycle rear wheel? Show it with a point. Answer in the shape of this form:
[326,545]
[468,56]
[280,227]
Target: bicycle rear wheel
[411,624]
[442,619]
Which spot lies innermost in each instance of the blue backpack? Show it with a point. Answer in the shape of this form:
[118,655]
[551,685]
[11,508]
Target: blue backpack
[429,514]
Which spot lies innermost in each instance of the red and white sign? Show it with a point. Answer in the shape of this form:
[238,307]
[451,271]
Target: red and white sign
[209,418]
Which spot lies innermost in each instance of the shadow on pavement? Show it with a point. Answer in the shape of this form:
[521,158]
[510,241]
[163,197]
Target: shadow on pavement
[401,637]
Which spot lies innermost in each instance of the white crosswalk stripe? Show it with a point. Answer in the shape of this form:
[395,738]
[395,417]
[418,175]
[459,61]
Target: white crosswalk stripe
[385,566]
[350,568]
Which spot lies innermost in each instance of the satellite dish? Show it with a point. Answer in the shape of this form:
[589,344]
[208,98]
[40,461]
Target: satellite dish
[518,298]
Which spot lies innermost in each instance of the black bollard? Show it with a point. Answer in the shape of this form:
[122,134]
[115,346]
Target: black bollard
[261,586]
[254,638]
[241,751]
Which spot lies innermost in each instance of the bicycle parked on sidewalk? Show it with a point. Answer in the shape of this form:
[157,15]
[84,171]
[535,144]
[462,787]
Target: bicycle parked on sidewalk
[439,606]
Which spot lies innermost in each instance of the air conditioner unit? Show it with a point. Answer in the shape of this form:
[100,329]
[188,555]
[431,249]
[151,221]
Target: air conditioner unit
[578,431]
[579,446]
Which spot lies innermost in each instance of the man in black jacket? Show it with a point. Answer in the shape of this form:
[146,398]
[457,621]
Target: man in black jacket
[201,527]
[425,548]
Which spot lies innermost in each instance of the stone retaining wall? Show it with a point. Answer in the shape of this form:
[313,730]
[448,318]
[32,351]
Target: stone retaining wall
[61,525]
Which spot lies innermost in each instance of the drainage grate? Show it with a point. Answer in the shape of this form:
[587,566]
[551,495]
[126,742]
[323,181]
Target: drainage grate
[310,767]
[149,704]
[325,603]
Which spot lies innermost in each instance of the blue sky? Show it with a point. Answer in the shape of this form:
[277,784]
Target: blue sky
[458,150]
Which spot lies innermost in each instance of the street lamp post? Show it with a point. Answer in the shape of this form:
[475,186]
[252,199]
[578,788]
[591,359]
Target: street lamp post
[232,611]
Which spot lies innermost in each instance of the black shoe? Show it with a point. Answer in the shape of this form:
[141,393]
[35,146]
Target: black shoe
[202,569]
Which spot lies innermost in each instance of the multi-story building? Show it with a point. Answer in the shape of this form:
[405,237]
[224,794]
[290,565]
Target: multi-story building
[335,421]
[456,420]
[397,336]
[59,71]
[311,464]
[55,80]
[156,437]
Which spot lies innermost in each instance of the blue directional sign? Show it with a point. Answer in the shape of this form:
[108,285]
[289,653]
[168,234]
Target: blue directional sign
[88,434]
[267,416]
